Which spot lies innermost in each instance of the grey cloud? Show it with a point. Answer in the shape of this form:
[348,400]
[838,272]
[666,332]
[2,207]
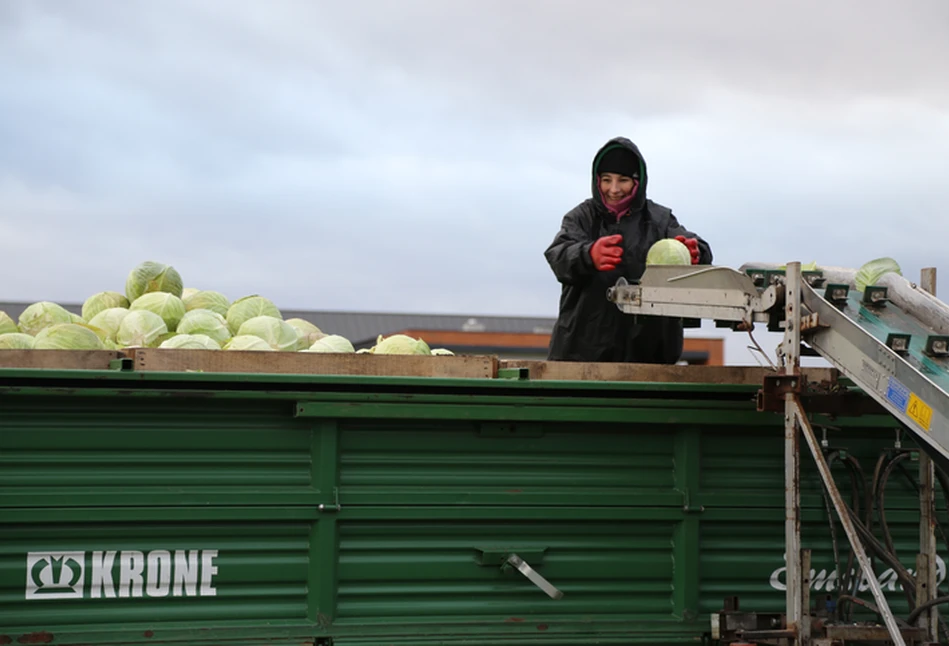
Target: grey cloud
[419,155]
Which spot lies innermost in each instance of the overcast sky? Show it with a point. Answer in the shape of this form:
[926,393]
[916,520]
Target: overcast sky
[417,156]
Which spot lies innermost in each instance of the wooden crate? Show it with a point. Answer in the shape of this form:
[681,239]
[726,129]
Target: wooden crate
[641,372]
[58,359]
[306,363]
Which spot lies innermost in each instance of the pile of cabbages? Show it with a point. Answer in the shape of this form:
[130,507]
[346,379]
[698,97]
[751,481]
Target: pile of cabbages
[157,311]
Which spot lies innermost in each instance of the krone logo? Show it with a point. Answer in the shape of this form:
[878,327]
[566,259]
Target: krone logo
[55,575]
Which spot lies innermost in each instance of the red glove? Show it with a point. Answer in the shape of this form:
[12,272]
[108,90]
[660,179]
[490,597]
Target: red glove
[606,252]
[693,246]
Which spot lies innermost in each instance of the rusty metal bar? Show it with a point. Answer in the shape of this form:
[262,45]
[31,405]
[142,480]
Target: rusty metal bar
[926,561]
[824,469]
[791,354]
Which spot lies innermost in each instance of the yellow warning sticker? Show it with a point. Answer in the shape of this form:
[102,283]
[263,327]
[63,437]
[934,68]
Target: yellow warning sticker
[919,412]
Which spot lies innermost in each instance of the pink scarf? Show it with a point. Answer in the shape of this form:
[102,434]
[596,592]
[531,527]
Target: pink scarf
[620,208]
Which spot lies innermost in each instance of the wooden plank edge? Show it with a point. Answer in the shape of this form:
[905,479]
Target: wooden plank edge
[251,362]
[540,370]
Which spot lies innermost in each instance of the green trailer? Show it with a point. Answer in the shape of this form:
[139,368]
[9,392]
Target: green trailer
[181,497]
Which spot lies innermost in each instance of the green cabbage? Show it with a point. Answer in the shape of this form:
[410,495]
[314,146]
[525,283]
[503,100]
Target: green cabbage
[279,334]
[668,252]
[308,333]
[169,307]
[247,342]
[152,277]
[7,325]
[400,344]
[42,315]
[188,292]
[246,308]
[873,271]
[141,328]
[332,344]
[208,300]
[207,323]
[102,301]
[442,351]
[191,342]
[67,336]
[16,341]
[109,321]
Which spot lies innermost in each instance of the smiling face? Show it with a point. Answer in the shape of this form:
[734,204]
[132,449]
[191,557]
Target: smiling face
[615,187]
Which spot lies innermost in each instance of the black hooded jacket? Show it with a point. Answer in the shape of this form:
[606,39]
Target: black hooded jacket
[590,328]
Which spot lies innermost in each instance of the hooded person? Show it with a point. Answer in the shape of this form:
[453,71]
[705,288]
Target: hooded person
[601,239]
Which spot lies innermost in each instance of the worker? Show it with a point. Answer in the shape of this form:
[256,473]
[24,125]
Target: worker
[606,237]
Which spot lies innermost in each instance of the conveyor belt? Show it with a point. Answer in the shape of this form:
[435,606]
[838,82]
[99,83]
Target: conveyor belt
[912,385]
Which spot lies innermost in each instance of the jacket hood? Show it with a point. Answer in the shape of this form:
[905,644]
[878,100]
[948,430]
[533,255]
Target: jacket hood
[620,142]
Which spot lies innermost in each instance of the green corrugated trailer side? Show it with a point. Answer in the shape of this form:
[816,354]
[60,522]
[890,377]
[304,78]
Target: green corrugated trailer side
[224,508]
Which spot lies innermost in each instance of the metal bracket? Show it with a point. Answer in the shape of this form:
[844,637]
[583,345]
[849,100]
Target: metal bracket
[121,364]
[333,507]
[518,374]
[771,397]
[546,586]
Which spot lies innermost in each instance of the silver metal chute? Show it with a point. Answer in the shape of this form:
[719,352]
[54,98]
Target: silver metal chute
[707,292]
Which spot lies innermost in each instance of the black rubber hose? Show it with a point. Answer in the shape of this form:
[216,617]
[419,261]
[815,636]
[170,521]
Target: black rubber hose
[881,498]
[830,457]
[913,616]
[909,584]
[857,476]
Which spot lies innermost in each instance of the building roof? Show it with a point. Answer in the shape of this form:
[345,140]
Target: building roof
[360,327]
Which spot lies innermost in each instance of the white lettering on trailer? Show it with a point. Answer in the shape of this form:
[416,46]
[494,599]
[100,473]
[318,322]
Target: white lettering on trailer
[208,570]
[826,580]
[121,574]
[186,572]
[159,573]
[101,576]
[131,574]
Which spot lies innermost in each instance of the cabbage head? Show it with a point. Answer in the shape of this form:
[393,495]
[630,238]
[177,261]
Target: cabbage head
[279,334]
[141,329]
[332,344]
[7,325]
[188,292]
[400,344]
[191,342]
[152,277]
[208,300]
[109,321]
[207,323]
[244,309]
[169,307]
[102,301]
[67,336]
[308,333]
[873,271]
[442,352]
[16,341]
[42,315]
[247,342]
[668,252]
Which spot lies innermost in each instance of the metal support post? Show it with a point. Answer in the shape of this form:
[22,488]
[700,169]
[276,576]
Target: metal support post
[896,637]
[791,353]
[926,562]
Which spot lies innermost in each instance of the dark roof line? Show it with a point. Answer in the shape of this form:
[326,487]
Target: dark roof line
[365,326]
